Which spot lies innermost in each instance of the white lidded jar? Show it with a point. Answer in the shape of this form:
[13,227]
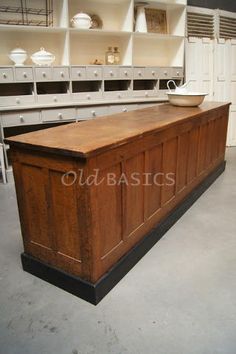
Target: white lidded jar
[18,56]
[81,21]
[42,57]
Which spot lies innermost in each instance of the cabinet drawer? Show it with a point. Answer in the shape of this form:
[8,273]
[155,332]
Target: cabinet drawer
[119,108]
[177,72]
[16,100]
[145,93]
[51,115]
[78,73]
[139,73]
[91,112]
[43,73]
[60,74]
[111,72]
[20,118]
[60,98]
[86,96]
[151,73]
[94,72]
[6,75]
[116,94]
[24,74]
[165,73]
[126,72]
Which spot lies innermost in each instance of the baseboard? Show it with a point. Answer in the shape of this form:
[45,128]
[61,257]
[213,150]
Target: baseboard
[94,293]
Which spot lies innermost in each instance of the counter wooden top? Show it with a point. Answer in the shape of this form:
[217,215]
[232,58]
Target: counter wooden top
[89,138]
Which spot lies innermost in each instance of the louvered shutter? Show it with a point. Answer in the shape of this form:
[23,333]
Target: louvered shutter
[200,24]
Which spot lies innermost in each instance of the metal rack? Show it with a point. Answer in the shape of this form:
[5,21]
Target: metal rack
[24,14]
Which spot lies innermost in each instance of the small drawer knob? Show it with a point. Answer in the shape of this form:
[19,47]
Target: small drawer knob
[24,74]
[165,72]
[60,116]
[146,94]
[126,73]
[17,100]
[21,119]
[4,75]
[44,74]
[93,113]
[62,74]
[177,73]
[119,95]
[95,73]
[78,73]
[140,73]
[111,72]
[88,97]
[153,72]
[55,98]
[124,109]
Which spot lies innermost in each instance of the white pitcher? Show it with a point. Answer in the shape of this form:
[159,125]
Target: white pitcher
[141,23]
[178,89]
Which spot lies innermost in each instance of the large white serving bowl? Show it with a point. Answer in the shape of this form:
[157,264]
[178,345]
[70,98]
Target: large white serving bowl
[189,99]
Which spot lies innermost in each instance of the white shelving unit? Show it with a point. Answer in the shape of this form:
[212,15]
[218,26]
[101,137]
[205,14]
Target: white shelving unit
[80,47]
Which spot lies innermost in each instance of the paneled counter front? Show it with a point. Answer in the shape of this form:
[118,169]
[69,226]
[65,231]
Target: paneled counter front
[95,196]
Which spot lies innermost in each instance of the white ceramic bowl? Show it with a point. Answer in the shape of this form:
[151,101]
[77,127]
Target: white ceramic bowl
[190,99]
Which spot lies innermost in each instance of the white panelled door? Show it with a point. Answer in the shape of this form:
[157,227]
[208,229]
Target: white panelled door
[198,65]
[210,66]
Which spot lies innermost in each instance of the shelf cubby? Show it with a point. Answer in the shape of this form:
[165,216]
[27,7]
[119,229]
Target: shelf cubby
[116,15]
[84,48]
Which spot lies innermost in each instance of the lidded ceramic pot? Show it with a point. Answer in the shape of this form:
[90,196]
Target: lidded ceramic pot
[42,57]
[18,56]
[82,21]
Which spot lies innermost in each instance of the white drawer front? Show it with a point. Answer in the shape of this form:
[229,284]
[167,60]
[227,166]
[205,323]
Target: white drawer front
[177,72]
[20,118]
[145,93]
[60,98]
[24,74]
[16,100]
[165,73]
[126,72]
[111,72]
[94,72]
[86,96]
[43,74]
[61,74]
[78,73]
[119,108]
[51,115]
[152,73]
[116,94]
[6,75]
[91,112]
[139,73]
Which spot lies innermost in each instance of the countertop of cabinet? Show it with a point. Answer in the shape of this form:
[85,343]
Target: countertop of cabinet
[89,138]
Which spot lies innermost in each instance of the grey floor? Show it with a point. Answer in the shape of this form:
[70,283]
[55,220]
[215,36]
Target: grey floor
[179,299]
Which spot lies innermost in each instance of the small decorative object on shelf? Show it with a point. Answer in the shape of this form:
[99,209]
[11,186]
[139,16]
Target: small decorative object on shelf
[97,62]
[22,13]
[81,21]
[42,57]
[116,54]
[18,56]
[96,22]
[110,58]
[141,23]
[156,21]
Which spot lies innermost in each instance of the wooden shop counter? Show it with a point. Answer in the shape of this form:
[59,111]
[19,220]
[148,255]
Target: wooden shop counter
[95,196]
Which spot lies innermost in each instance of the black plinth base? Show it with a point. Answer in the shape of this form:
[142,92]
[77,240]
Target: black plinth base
[94,293]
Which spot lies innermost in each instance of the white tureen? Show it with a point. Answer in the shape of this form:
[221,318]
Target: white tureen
[42,57]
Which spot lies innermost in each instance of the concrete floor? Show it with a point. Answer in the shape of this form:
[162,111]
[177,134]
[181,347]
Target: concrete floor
[179,299]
